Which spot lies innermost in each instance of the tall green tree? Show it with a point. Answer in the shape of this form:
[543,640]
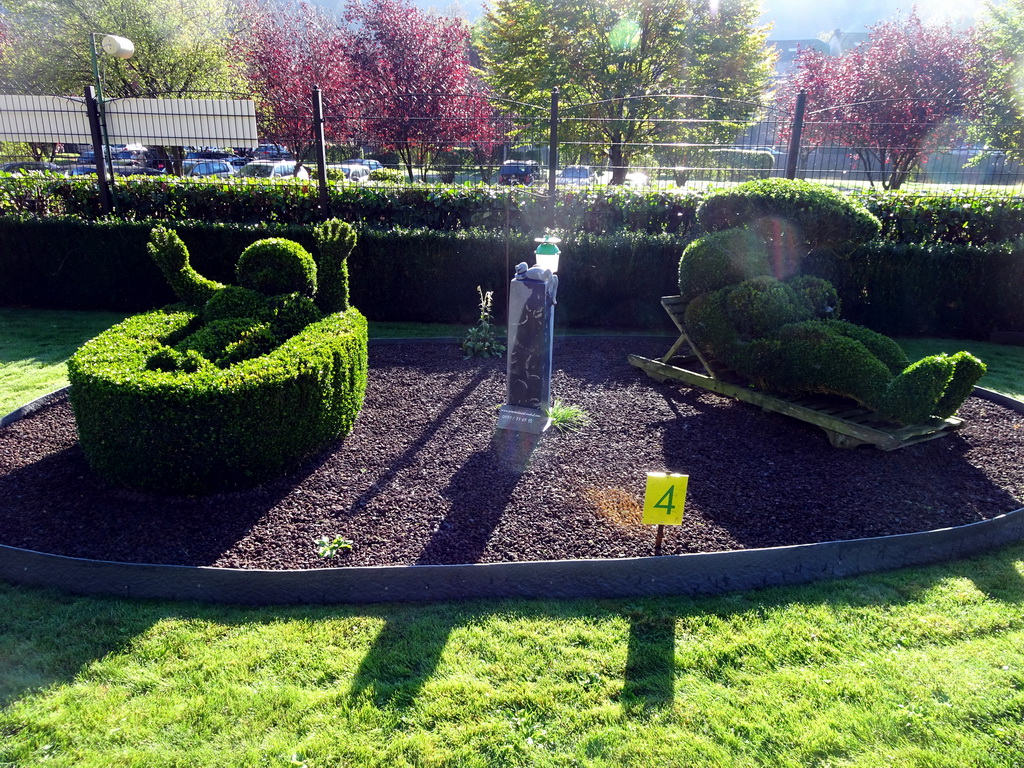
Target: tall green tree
[181,46]
[616,62]
[1001,39]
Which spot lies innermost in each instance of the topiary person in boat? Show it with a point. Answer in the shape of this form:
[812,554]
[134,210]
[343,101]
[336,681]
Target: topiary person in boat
[276,297]
[234,385]
[752,310]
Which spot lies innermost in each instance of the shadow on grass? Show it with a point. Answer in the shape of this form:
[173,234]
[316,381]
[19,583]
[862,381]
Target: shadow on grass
[649,678]
[50,638]
[404,655]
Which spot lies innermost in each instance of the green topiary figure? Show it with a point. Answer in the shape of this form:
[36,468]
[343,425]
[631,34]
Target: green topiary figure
[751,310]
[235,385]
[335,241]
[275,266]
[170,254]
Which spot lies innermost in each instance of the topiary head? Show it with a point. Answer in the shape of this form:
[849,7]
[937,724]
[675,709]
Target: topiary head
[275,266]
[720,259]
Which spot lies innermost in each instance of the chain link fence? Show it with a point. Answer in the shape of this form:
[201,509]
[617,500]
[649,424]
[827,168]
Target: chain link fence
[657,142]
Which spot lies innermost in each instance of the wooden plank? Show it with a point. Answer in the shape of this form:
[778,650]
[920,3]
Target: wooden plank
[843,432]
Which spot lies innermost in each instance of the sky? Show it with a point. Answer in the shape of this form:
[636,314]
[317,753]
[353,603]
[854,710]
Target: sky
[794,19]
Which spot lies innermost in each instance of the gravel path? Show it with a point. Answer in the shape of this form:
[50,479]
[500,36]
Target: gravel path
[424,478]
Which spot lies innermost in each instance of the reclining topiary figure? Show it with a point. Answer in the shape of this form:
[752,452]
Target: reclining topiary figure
[237,383]
[752,310]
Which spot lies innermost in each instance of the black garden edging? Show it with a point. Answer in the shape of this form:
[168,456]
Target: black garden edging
[691,574]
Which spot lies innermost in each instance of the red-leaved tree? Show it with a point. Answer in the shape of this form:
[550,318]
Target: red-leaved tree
[414,79]
[909,88]
[285,48]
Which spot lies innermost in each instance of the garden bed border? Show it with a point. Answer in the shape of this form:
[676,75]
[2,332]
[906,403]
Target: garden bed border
[687,574]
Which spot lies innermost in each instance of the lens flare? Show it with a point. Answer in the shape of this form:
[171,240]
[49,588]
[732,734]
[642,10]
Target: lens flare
[625,35]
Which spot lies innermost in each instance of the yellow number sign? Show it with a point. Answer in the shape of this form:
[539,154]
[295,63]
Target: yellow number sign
[664,499]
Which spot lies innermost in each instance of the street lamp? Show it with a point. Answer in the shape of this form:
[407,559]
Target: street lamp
[119,48]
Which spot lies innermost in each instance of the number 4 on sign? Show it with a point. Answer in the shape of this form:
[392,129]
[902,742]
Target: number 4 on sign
[664,498]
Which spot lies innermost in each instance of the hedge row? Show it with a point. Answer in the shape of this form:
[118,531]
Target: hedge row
[966,218]
[907,217]
[609,281]
[251,201]
[420,275]
[932,290]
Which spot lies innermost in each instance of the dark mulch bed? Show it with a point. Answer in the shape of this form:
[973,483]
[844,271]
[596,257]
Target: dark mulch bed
[425,479]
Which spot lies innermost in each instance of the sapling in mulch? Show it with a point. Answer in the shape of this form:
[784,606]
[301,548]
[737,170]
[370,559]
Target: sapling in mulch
[482,339]
[329,547]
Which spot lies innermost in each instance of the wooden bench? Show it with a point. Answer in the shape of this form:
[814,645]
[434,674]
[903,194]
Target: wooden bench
[847,423]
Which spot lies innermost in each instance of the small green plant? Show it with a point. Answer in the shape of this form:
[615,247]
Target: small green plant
[329,547]
[567,418]
[482,339]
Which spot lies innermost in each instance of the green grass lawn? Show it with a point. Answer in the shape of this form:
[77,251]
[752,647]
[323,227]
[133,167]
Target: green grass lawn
[917,668]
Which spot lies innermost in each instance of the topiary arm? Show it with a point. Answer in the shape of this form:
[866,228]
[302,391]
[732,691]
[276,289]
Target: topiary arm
[171,255]
[885,349]
[335,240]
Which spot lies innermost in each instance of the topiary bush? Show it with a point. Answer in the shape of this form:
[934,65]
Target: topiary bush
[196,398]
[751,310]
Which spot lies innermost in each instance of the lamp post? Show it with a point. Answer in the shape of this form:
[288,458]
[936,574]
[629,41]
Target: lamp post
[119,48]
[531,323]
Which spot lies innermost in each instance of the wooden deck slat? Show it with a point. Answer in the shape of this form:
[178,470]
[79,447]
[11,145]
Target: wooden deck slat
[843,431]
[846,423]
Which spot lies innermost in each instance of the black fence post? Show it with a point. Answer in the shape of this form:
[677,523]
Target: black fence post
[553,154]
[92,108]
[794,136]
[321,149]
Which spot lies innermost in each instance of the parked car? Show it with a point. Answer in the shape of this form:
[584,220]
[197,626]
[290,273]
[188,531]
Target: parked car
[210,153]
[272,152]
[272,169]
[373,165]
[138,170]
[195,168]
[518,172]
[120,169]
[354,171]
[574,175]
[29,166]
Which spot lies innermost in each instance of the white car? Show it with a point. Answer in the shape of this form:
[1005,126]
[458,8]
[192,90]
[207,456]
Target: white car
[272,169]
[574,176]
[373,165]
[355,172]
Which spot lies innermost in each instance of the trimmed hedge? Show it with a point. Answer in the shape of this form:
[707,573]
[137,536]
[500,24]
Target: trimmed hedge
[595,209]
[417,275]
[958,291]
[965,218]
[821,216]
[232,388]
[215,428]
[610,280]
[786,336]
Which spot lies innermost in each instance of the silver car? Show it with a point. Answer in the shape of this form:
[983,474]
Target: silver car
[193,168]
[271,169]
